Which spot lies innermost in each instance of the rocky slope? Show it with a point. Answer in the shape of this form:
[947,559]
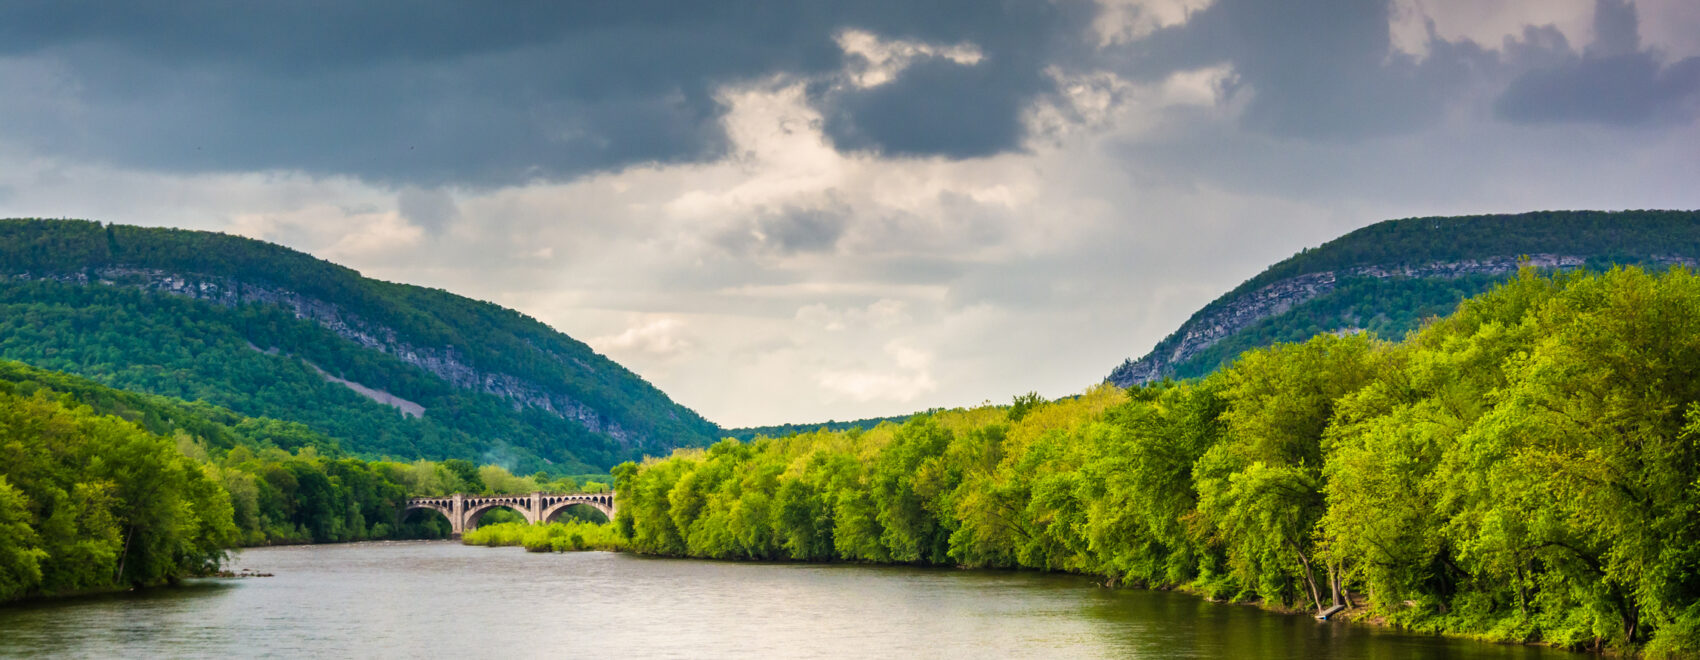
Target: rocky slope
[1459,255]
[490,375]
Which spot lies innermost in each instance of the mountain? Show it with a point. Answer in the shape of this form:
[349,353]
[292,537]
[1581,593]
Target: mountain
[786,430]
[386,369]
[1389,277]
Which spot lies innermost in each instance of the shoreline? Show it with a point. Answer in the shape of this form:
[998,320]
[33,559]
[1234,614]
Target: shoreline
[1354,616]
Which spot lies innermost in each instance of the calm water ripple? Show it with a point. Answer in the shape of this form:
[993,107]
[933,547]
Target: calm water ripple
[440,599]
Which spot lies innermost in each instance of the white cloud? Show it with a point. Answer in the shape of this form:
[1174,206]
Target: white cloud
[1122,21]
[658,337]
[882,314]
[877,61]
[905,381]
[934,282]
[1488,24]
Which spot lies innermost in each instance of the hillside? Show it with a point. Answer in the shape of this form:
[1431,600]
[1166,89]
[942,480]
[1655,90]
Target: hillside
[218,429]
[386,369]
[1389,277]
[786,430]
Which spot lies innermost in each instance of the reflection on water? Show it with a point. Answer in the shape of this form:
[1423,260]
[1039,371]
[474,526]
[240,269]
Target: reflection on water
[443,599]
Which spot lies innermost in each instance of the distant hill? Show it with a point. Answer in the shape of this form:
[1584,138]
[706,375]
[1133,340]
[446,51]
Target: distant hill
[1388,277]
[385,369]
[787,430]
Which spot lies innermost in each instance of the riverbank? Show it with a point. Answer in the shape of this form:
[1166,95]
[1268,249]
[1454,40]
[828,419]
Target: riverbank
[549,537]
[434,599]
[1518,471]
[583,536]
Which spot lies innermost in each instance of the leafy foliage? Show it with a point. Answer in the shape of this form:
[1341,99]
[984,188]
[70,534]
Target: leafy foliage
[56,313]
[1609,237]
[751,432]
[1394,306]
[103,488]
[548,537]
[1389,308]
[91,502]
[1527,469]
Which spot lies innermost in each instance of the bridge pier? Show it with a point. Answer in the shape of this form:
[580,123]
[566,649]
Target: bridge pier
[463,510]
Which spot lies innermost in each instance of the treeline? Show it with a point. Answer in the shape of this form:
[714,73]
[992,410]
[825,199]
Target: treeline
[220,429]
[196,351]
[1527,469]
[83,326]
[278,497]
[1394,306]
[1389,308]
[91,502]
[781,430]
[103,489]
[1604,236]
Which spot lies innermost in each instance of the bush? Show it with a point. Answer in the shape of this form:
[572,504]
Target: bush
[550,537]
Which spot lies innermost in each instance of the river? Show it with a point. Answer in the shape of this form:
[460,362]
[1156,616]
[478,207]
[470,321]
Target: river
[442,599]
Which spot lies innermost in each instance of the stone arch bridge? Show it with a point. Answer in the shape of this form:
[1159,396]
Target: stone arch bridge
[464,510]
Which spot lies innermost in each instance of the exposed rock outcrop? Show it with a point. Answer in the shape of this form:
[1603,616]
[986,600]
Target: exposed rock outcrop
[1231,313]
[445,362]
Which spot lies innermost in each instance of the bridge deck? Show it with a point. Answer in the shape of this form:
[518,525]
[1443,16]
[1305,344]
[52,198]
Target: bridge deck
[463,510]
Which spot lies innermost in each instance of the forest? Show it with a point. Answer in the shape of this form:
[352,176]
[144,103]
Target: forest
[68,303]
[1526,469]
[1393,306]
[781,430]
[104,489]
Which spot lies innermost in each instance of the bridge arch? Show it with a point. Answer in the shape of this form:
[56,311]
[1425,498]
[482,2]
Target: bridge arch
[519,505]
[463,511]
[441,505]
[417,519]
[553,506]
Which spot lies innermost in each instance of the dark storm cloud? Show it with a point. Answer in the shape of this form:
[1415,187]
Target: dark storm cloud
[1315,69]
[941,107]
[434,92]
[1613,81]
[937,106]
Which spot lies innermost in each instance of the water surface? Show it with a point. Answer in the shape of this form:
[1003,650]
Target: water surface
[442,599]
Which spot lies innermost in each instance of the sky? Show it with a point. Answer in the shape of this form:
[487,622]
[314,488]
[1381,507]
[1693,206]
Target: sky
[803,210]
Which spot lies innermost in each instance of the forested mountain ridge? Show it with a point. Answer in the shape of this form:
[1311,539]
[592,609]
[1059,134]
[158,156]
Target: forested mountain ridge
[1525,469]
[1390,276]
[783,430]
[262,329]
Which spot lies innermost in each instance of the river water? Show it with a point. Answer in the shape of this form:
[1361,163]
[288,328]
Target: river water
[442,599]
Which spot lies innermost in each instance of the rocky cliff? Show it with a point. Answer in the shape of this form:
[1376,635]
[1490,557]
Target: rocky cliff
[473,377]
[1653,239]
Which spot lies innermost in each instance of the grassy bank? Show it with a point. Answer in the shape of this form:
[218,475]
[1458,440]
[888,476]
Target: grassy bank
[548,537]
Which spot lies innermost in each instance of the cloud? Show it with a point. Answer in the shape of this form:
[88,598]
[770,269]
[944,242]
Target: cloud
[882,314]
[432,209]
[1123,21]
[794,213]
[465,94]
[1321,69]
[908,378]
[791,229]
[660,337]
[876,61]
[1613,81]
